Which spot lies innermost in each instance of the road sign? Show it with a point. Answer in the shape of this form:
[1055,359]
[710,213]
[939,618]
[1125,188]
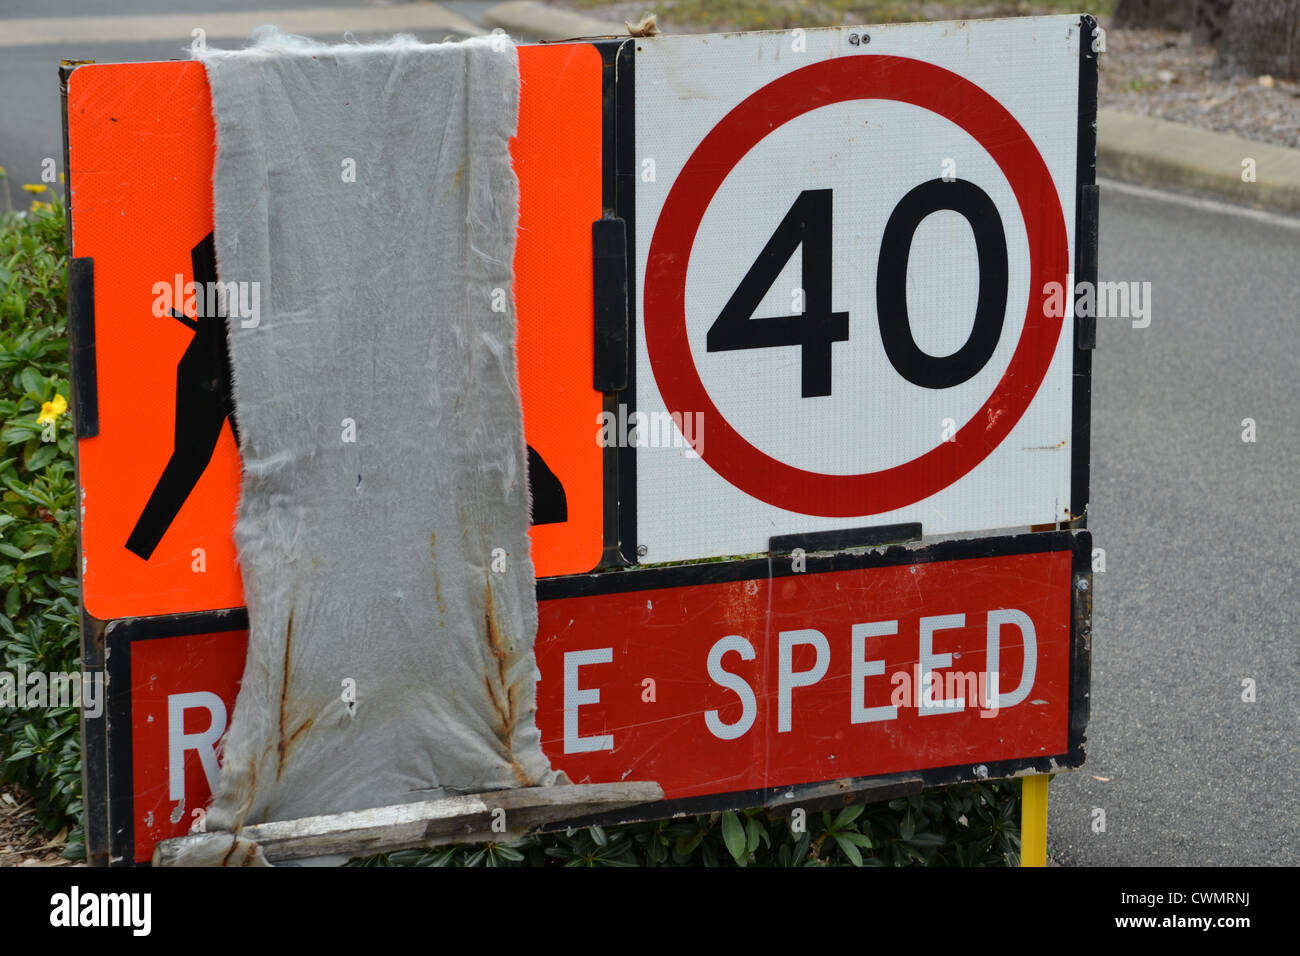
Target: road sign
[742,676]
[720,682]
[160,475]
[172,687]
[844,241]
[834,246]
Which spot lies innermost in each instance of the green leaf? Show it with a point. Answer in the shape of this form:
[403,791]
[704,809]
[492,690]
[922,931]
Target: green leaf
[31,381]
[733,835]
[18,432]
[912,852]
[847,847]
[598,836]
[507,853]
[848,815]
[801,846]
[406,857]
[907,828]
[656,852]
[13,601]
[42,456]
[686,845]
[927,840]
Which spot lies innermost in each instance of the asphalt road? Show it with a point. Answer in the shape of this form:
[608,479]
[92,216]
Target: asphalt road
[30,111]
[1199,591]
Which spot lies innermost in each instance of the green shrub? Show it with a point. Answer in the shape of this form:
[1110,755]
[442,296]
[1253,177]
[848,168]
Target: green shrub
[961,825]
[39,747]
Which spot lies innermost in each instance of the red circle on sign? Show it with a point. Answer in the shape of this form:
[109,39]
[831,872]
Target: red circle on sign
[822,84]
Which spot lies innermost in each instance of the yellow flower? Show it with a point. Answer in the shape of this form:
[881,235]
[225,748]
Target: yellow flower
[52,410]
[34,187]
[3,174]
[38,206]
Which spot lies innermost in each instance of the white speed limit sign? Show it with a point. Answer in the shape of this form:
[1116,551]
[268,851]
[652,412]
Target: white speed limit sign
[845,241]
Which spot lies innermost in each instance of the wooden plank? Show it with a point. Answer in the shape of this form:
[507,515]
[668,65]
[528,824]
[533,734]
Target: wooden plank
[471,818]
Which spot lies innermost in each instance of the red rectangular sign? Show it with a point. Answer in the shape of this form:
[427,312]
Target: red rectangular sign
[961,660]
[172,687]
[808,676]
[176,723]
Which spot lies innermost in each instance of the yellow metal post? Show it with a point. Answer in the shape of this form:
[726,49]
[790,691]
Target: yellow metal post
[1033,820]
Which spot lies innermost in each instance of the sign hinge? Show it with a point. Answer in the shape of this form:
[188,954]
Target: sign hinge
[1086,258]
[81,346]
[609,275]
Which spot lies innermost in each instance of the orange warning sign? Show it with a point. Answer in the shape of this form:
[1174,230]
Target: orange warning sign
[557,156]
[160,480]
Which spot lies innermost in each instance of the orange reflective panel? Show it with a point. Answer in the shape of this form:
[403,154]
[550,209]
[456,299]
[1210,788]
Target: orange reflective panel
[158,500]
[141,145]
[557,156]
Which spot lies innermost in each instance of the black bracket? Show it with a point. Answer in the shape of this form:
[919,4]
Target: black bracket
[609,273]
[1088,219]
[843,540]
[81,346]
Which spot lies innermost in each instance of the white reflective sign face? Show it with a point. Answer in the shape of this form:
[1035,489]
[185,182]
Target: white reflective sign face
[843,250]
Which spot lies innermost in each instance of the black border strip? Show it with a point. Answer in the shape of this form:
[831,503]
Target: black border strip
[616,204]
[1081,642]
[118,638]
[625,208]
[81,297]
[716,572]
[608,50]
[94,751]
[1085,270]
[94,730]
[847,538]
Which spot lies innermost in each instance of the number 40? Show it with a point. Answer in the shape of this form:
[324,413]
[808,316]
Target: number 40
[808,223]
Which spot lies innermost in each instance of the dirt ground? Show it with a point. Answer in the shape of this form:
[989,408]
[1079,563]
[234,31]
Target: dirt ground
[21,843]
[1166,75]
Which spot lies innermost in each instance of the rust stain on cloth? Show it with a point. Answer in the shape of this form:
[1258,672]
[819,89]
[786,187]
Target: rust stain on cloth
[437,581]
[505,711]
[282,748]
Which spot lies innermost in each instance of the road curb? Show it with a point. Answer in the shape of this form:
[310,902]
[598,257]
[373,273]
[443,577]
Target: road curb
[1136,149]
[65,33]
[1156,152]
[533,19]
